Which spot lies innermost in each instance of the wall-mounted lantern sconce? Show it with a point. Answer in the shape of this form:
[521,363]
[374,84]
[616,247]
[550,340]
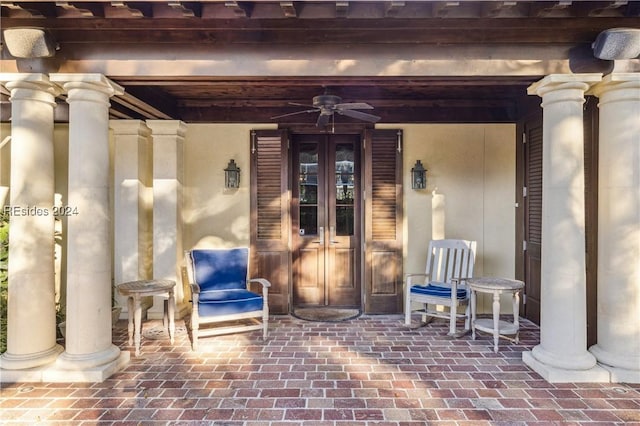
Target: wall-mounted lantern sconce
[232,175]
[418,176]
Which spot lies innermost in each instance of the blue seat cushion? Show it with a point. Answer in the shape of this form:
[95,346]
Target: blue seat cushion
[220,269]
[439,291]
[227,302]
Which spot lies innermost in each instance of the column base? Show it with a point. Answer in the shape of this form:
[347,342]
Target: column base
[623,369]
[554,374]
[622,375]
[21,362]
[54,374]
[67,361]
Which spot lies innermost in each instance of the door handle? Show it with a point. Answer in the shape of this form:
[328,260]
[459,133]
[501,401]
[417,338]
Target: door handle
[321,235]
[332,235]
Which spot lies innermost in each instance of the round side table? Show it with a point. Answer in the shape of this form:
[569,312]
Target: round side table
[135,291]
[495,326]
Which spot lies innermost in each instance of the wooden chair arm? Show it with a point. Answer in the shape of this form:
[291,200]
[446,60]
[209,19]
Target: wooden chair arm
[264,282]
[265,286]
[456,281]
[410,278]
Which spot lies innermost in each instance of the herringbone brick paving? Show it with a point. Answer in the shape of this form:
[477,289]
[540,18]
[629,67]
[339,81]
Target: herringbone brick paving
[368,371]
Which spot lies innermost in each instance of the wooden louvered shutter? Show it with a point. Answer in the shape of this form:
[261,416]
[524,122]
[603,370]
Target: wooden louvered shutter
[533,216]
[383,221]
[591,132]
[270,215]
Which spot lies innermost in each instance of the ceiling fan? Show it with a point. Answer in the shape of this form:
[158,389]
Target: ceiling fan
[327,105]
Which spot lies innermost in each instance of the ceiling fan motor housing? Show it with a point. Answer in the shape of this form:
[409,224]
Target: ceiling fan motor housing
[326,101]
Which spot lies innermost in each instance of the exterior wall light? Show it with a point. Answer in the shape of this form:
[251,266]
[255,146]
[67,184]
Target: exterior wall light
[418,176]
[232,175]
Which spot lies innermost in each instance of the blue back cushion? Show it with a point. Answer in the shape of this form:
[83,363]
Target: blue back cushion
[220,269]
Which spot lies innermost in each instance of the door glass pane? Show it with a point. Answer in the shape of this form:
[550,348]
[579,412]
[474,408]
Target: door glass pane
[308,188]
[308,220]
[345,187]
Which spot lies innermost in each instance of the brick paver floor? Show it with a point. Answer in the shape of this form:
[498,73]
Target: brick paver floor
[368,371]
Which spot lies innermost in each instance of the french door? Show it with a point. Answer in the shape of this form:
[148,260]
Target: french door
[325,217]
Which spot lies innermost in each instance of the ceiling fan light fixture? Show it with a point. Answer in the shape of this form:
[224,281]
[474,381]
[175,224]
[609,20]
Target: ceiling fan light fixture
[326,101]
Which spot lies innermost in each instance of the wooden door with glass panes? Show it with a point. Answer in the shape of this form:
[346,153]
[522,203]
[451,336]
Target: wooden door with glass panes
[325,213]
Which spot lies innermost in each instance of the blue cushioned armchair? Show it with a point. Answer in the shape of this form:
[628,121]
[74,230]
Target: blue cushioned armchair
[449,264]
[221,296]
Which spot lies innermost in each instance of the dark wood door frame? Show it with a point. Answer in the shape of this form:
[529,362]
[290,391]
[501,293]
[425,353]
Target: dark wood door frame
[326,252]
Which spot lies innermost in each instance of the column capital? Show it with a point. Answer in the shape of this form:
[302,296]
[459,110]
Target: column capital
[129,128]
[30,81]
[563,81]
[97,82]
[617,81]
[167,127]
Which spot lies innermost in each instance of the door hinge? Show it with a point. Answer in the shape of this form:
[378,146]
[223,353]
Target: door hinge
[524,245]
[253,142]
[524,191]
[524,137]
[524,299]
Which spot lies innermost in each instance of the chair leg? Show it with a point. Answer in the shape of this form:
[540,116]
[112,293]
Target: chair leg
[407,307]
[453,317]
[265,324]
[194,328]
[453,329]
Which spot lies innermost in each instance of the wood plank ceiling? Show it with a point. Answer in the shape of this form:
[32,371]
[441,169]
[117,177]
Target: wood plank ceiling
[167,24]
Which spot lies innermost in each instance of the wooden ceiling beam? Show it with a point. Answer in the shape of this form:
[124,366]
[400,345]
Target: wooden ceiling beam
[282,106]
[120,9]
[240,9]
[548,9]
[352,37]
[68,10]
[16,10]
[481,114]
[289,9]
[342,9]
[412,82]
[184,9]
[393,8]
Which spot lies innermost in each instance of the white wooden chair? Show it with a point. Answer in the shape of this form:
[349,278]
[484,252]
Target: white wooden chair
[220,293]
[449,263]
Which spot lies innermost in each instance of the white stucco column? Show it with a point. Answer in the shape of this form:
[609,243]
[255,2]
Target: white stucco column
[132,234]
[31,329]
[618,347]
[168,137]
[562,354]
[89,248]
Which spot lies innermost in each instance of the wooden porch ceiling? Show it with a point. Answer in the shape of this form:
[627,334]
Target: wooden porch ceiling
[167,26]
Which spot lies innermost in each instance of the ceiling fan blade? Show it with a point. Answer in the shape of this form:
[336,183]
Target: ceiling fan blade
[294,113]
[302,105]
[353,105]
[359,115]
[323,119]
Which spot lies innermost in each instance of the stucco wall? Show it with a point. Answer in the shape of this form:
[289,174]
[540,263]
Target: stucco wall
[214,216]
[470,194]
[470,188]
